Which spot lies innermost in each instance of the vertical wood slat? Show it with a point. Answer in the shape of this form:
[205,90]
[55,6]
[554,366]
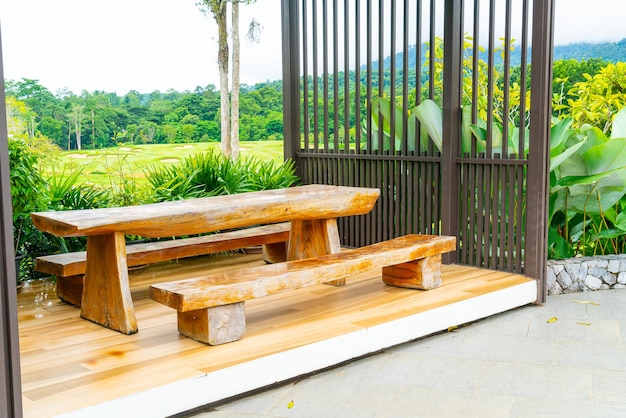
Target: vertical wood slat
[392,78]
[369,88]
[347,82]
[316,127]
[507,79]
[490,76]
[326,92]
[381,66]
[505,220]
[305,77]
[523,75]
[509,237]
[357,72]
[489,193]
[336,129]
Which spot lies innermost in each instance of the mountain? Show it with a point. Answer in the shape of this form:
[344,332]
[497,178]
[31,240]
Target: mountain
[607,51]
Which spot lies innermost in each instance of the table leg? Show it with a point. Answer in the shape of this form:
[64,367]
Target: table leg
[106,292]
[312,238]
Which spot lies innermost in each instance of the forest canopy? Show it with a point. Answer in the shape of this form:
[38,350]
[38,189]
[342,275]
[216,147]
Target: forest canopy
[100,119]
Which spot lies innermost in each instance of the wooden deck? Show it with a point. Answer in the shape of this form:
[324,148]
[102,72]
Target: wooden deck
[73,368]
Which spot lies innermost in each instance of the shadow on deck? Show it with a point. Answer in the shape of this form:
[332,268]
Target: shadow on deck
[72,367]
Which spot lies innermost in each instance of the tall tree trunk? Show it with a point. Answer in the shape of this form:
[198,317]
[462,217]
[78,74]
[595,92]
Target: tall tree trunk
[234,112]
[219,13]
[93,129]
[78,119]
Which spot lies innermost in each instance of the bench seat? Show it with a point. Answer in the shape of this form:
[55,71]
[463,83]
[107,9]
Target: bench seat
[211,309]
[69,268]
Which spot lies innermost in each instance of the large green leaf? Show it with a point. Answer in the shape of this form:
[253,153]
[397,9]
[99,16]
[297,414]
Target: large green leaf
[598,197]
[557,160]
[559,134]
[620,221]
[559,247]
[382,107]
[480,131]
[606,157]
[619,124]
[431,118]
[595,178]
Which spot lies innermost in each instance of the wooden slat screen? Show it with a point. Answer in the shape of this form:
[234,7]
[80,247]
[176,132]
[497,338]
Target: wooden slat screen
[473,184]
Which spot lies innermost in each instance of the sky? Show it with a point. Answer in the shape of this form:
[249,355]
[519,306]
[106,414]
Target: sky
[147,45]
[121,45]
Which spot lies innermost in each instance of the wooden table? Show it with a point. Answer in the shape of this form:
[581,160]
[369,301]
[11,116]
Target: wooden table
[313,211]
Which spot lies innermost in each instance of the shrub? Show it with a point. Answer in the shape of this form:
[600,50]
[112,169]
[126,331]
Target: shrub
[28,195]
[211,173]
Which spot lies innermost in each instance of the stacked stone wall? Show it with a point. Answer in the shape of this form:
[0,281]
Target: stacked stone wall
[586,274]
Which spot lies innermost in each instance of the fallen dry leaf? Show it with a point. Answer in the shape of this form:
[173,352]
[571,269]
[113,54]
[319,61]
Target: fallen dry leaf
[290,405]
[551,320]
[587,302]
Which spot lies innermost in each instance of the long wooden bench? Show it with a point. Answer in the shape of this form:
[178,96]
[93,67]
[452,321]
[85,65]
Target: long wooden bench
[69,268]
[211,309]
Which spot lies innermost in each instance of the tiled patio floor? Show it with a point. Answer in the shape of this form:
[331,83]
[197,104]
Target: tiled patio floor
[515,364]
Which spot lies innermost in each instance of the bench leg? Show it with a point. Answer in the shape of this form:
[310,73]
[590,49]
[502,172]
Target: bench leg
[424,274]
[312,238]
[106,293]
[275,253]
[70,289]
[214,326]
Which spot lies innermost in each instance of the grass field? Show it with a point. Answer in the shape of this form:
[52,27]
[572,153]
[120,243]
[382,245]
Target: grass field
[98,166]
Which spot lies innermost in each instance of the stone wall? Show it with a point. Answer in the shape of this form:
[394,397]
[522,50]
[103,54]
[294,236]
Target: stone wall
[586,273]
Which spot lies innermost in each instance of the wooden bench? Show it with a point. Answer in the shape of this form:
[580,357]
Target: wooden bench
[69,268]
[312,210]
[211,309]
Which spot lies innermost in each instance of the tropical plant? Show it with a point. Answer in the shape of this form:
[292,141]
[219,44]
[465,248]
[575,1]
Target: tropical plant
[587,176]
[212,173]
[27,193]
[587,189]
[595,100]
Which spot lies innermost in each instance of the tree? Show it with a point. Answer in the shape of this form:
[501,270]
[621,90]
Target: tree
[218,10]
[229,111]
[76,117]
[234,111]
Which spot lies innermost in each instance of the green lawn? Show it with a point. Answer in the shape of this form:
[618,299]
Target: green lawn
[97,166]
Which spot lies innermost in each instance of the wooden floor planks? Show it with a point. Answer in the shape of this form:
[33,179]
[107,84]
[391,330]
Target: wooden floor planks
[69,363]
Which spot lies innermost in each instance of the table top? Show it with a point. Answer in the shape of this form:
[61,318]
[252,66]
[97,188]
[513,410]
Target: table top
[194,216]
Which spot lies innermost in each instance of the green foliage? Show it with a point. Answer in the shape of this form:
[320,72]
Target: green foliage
[587,190]
[211,173]
[155,118]
[27,192]
[66,191]
[595,100]
[27,183]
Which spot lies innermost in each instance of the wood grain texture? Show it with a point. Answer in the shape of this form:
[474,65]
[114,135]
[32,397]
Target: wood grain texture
[189,217]
[313,238]
[222,289]
[70,288]
[214,326]
[68,363]
[71,264]
[106,293]
[424,274]
[196,216]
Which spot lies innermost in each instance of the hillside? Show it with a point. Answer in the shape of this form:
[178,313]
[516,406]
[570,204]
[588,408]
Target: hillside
[607,51]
